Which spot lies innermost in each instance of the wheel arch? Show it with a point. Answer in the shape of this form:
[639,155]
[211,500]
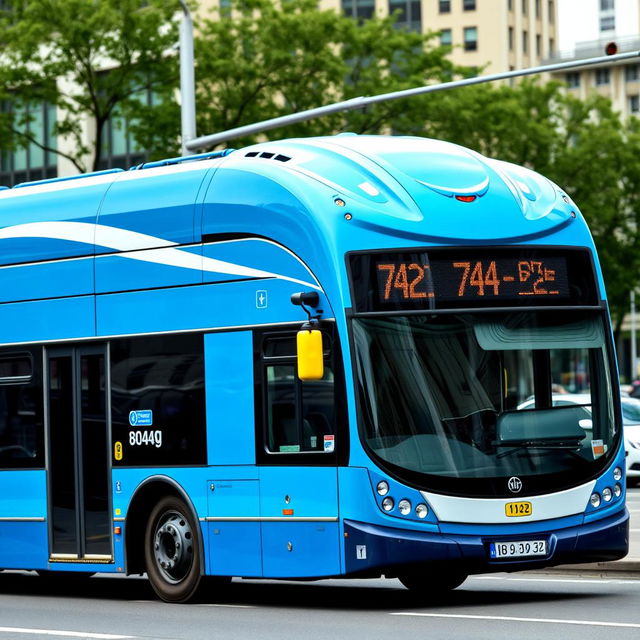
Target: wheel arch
[144,498]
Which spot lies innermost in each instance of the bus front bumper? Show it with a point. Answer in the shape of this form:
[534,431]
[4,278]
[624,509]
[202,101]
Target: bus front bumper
[378,550]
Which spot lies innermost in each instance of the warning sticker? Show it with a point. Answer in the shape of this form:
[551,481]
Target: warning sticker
[329,443]
[597,446]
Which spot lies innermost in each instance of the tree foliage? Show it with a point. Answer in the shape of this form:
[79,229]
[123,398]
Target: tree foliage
[89,58]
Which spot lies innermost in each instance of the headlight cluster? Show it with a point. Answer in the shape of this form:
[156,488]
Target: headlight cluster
[404,506]
[608,494]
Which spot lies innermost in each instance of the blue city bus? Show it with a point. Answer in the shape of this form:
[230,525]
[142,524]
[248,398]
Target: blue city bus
[152,413]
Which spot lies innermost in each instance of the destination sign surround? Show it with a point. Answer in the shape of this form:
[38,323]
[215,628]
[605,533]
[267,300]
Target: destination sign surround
[443,278]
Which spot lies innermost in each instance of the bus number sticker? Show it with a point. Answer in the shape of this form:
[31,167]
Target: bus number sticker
[361,551]
[117,450]
[329,443]
[518,509]
[147,437]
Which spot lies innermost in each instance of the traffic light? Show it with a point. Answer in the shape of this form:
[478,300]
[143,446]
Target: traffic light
[611,49]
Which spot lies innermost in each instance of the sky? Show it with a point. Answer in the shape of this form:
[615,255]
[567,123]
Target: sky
[579,21]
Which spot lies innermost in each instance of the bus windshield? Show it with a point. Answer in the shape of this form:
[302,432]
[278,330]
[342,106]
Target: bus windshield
[460,402]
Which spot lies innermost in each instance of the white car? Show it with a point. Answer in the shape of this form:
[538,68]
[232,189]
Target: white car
[630,421]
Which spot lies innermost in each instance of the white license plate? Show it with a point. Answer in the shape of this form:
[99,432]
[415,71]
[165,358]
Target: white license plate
[518,549]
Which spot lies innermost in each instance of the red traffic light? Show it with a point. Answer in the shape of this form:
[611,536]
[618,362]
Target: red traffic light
[611,49]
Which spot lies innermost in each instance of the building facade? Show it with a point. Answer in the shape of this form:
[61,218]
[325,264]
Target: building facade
[586,28]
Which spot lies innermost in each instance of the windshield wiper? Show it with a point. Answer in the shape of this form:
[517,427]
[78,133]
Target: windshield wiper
[572,446]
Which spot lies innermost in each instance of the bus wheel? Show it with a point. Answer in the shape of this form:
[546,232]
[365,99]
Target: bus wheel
[172,551]
[428,583]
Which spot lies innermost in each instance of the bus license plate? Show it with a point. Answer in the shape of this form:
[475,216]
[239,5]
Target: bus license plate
[518,549]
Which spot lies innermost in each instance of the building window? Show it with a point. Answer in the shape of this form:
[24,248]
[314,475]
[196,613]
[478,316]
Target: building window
[469,5]
[538,9]
[445,38]
[525,7]
[552,12]
[471,38]
[510,38]
[634,104]
[538,45]
[525,42]
[607,5]
[632,72]
[409,14]
[510,5]
[552,46]
[32,162]
[602,76]
[119,147]
[444,6]
[359,9]
[572,79]
[607,23]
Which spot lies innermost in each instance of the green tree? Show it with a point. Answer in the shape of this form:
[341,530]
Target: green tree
[91,59]
[262,59]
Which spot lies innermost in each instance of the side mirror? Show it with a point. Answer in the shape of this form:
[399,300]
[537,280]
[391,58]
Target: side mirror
[310,354]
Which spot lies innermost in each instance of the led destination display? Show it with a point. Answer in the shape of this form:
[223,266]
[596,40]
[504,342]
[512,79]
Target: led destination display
[458,278]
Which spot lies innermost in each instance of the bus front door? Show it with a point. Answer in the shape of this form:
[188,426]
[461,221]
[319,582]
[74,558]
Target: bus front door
[78,465]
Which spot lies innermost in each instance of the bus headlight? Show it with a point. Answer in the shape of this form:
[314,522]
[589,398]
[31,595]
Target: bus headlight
[595,500]
[617,474]
[607,494]
[617,491]
[404,506]
[387,503]
[422,510]
[382,488]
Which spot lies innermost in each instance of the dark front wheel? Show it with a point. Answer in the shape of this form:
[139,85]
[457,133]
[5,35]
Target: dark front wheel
[172,550]
[432,584]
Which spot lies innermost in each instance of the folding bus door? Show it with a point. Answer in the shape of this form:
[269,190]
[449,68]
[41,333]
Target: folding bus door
[78,469]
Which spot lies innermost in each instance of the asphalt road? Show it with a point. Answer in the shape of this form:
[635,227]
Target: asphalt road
[526,607]
[493,607]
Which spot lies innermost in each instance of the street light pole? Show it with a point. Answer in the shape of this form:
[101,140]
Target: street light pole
[634,354]
[187,80]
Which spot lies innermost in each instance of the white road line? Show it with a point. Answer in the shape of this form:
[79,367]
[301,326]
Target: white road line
[569,580]
[589,623]
[230,606]
[64,634]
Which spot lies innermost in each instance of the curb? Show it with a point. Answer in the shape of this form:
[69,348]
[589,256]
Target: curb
[617,569]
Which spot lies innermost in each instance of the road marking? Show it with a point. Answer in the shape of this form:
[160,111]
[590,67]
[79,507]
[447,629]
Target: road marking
[589,623]
[570,580]
[65,634]
[231,606]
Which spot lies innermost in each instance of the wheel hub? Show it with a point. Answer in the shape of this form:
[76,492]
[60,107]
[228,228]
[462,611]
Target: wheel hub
[173,546]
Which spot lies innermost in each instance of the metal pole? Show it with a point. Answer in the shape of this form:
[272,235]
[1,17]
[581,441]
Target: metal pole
[187,80]
[634,353]
[364,101]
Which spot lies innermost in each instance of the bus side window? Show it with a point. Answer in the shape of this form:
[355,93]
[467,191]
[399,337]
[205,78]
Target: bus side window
[21,411]
[299,415]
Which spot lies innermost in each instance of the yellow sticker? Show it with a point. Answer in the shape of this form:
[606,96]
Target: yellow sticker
[118,450]
[518,509]
[118,512]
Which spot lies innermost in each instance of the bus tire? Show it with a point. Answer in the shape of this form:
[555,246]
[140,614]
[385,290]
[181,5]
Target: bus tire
[431,584]
[172,550]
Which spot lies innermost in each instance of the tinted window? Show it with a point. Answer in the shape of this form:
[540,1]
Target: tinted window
[157,399]
[21,422]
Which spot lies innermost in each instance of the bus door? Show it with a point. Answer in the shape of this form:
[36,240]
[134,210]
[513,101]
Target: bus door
[78,465]
[298,449]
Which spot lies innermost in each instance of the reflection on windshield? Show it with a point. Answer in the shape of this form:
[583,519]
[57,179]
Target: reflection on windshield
[470,395]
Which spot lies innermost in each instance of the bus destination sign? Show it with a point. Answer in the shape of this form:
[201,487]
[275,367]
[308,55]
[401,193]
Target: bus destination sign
[457,278]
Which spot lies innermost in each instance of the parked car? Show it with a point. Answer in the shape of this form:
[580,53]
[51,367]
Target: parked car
[630,420]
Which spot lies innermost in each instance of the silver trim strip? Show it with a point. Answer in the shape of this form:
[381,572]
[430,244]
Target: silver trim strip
[21,519]
[270,519]
[83,339]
